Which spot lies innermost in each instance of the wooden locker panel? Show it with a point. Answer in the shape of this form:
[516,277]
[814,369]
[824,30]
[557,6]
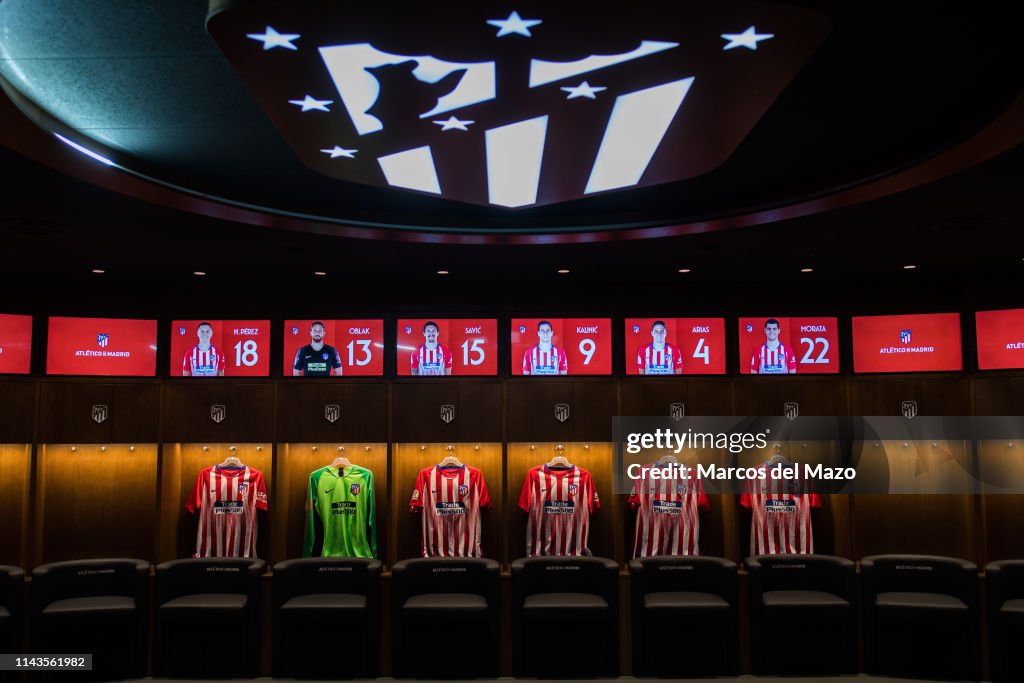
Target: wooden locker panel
[302,411]
[533,413]
[998,395]
[915,521]
[295,462]
[606,529]
[15,473]
[95,501]
[482,406]
[830,523]
[416,411]
[189,412]
[17,411]
[181,466]
[643,397]
[66,412]
[138,413]
[767,395]
[406,462]
[716,535]
[1001,467]
[934,395]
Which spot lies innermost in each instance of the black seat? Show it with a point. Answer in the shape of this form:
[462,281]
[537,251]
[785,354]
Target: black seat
[684,599]
[200,600]
[98,607]
[322,604]
[1004,584]
[806,599]
[565,617]
[437,602]
[920,616]
[12,600]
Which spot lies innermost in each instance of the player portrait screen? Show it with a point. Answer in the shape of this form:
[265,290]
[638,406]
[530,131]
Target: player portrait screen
[1000,339]
[15,344]
[220,348]
[675,346]
[106,347]
[439,346]
[907,343]
[789,346]
[332,348]
[561,346]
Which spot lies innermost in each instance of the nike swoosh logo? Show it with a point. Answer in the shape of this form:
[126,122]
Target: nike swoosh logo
[328,490]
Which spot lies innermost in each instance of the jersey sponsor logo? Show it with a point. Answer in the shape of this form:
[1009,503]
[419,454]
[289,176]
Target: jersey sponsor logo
[446,509]
[559,507]
[774,505]
[354,488]
[668,507]
[346,507]
[228,507]
[463,489]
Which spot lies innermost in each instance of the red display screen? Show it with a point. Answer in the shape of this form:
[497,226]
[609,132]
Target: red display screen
[907,343]
[675,346]
[106,347]
[561,346]
[1000,339]
[439,346]
[325,348]
[788,346]
[15,344]
[220,348]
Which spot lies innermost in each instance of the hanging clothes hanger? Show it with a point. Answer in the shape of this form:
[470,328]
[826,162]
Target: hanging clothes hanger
[231,461]
[667,459]
[450,460]
[341,460]
[778,458]
[559,460]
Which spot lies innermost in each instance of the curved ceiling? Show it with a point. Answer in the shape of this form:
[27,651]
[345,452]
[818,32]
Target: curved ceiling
[874,97]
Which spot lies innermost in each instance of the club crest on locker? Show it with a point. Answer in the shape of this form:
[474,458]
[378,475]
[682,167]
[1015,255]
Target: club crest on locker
[909,409]
[218,411]
[332,411]
[561,412]
[447,413]
[100,413]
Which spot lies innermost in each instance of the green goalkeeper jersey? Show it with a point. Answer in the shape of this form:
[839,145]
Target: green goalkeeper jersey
[342,499]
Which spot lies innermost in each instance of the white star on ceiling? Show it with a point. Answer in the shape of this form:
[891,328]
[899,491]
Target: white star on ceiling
[272,39]
[584,89]
[747,39]
[514,24]
[310,103]
[340,152]
[453,123]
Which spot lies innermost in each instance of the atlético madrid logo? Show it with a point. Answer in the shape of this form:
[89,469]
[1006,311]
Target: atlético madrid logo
[515,109]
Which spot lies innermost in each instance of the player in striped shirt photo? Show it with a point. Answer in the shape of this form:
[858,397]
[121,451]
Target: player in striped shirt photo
[659,357]
[432,358]
[545,358]
[203,359]
[772,357]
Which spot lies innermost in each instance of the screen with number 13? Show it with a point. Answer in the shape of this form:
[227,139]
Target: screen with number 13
[359,345]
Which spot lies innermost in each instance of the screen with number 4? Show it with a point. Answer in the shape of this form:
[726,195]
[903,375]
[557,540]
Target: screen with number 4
[675,346]
[332,348]
[786,346]
[435,347]
[561,346]
[220,348]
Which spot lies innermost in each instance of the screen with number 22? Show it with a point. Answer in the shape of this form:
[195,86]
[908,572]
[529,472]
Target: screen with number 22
[786,346]
[359,345]
[561,346]
[220,348]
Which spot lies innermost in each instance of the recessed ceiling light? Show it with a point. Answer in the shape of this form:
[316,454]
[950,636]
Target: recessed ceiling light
[442,272]
[319,273]
[200,273]
[684,270]
[909,267]
[563,271]
[807,270]
[98,271]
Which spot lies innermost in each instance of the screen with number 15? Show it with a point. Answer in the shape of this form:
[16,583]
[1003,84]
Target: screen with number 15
[787,346]
[332,348]
[220,348]
[561,346]
[441,346]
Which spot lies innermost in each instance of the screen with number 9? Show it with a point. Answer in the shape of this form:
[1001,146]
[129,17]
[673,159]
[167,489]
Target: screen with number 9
[786,346]
[220,348]
[561,346]
[325,348]
[440,346]
[675,346]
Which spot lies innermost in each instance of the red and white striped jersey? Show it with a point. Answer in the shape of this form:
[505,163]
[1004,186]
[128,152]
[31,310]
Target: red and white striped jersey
[550,361]
[667,360]
[200,363]
[433,361]
[777,361]
[781,522]
[559,503]
[450,500]
[226,499]
[667,515]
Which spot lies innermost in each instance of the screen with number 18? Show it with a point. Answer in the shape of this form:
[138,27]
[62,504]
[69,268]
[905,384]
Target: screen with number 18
[441,346]
[220,348]
[786,346]
[326,348]
[561,346]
